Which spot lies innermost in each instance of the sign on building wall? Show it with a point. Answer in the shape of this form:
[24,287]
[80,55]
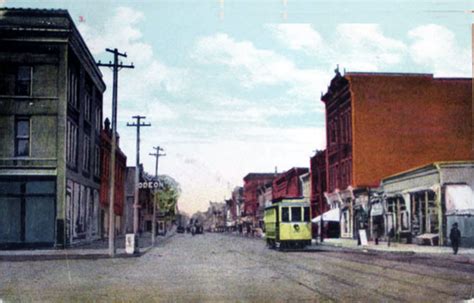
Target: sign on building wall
[146,185]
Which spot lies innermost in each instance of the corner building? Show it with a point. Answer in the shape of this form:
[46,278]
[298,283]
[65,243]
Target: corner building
[379,124]
[50,122]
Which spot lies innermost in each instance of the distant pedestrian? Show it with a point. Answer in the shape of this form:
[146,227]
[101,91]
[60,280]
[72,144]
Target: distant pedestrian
[455,237]
[391,234]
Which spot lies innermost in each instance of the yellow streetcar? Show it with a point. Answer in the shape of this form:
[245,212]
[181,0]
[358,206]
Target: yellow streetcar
[288,224]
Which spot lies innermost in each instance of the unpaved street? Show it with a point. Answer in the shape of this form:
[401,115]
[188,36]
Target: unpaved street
[220,267]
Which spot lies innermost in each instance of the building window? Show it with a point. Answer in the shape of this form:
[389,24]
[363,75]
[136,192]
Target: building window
[96,160]
[87,106]
[342,128]
[71,143]
[332,178]
[15,80]
[22,137]
[332,131]
[86,155]
[98,119]
[72,92]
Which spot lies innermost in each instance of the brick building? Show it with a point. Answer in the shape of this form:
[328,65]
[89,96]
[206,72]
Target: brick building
[120,174]
[264,199]
[379,124]
[50,120]
[318,183]
[288,184]
[252,182]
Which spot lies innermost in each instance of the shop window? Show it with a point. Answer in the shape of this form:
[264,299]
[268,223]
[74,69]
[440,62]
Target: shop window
[22,137]
[404,221]
[41,187]
[424,212]
[15,80]
[296,214]
[7,187]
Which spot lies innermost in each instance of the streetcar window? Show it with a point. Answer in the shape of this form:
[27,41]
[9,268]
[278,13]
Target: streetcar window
[296,214]
[306,214]
[285,215]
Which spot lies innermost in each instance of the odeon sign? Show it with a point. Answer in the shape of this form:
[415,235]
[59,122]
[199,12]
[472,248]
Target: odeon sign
[148,185]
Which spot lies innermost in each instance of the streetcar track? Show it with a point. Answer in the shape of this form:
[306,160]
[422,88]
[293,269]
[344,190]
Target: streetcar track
[329,276]
[376,275]
[437,277]
[314,271]
[289,277]
[366,273]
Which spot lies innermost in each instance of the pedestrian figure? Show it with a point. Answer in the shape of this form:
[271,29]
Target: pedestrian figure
[455,237]
[391,234]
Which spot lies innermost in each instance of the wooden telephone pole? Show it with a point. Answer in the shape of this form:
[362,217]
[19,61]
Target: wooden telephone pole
[157,155]
[116,66]
[138,124]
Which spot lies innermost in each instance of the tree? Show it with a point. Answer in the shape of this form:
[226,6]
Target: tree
[168,194]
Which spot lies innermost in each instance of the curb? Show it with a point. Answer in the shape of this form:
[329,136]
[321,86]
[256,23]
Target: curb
[469,259]
[368,250]
[65,255]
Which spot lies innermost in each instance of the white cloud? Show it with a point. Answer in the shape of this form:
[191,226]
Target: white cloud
[361,47]
[138,87]
[364,47]
[436,47]
[298,37]
[253,66]
[160,112]
[121,31]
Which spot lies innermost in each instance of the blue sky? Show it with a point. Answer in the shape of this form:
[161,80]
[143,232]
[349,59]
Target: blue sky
[232,87]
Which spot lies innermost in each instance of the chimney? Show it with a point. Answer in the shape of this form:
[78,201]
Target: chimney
[107,125]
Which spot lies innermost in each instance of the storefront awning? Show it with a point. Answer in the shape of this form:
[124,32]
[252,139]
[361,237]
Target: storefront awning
[459,200]
[331,215]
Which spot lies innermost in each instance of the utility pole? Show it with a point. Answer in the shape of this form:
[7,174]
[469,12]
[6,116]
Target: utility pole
[138,124]
[157,155]
[116,66]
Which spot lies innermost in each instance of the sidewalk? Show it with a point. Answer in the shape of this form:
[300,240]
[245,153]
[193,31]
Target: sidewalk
[95,250]
[464,254]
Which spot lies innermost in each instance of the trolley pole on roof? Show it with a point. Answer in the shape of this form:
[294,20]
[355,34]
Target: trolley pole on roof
[116,66]
[157,155]
[138,124]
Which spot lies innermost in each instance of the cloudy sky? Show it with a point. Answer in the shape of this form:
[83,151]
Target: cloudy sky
[232,87]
